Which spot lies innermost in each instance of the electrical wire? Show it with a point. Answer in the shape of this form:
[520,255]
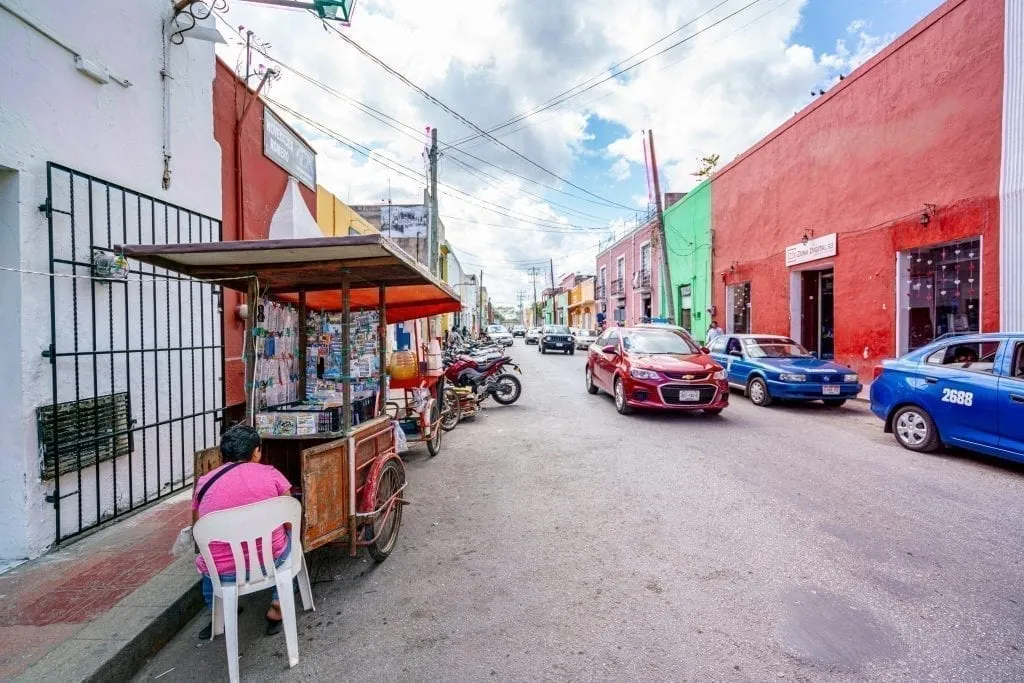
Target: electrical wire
[456,115]
[403,128]
[548,225]
[569,94]
[523,115]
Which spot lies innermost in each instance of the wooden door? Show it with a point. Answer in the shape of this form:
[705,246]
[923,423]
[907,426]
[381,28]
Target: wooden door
[325,492]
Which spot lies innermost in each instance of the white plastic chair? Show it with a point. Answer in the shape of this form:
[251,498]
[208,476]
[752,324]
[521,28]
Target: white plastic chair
[242,526]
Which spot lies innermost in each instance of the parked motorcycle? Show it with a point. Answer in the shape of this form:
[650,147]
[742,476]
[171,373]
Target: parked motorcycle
[470,382]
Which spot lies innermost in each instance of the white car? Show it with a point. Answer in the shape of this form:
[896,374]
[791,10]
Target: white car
[533,336]
[584,338]
[499,335]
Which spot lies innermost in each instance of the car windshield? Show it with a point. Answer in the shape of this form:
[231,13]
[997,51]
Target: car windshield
[492,329]
[556,329]
[658,342]
[767,347]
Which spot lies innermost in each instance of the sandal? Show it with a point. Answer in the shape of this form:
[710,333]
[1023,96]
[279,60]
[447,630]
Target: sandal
[273,626]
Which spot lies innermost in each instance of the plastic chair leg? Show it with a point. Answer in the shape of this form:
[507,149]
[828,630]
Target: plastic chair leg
[230,605]
[217,617]
[305,589]
[286,596]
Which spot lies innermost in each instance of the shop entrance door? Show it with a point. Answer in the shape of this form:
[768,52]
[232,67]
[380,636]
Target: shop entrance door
[817,312]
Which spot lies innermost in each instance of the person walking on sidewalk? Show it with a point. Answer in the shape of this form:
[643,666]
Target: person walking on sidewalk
[241,480]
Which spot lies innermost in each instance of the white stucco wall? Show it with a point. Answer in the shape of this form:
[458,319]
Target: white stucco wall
[51,112]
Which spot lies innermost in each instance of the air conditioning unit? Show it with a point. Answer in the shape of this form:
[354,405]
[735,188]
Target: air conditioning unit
[636,280]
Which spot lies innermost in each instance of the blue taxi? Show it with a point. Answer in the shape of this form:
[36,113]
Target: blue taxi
[769,367]
[965,391]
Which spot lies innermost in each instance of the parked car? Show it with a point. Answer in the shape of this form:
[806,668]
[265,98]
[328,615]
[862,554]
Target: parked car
[769,367]
[533,336]
[519,331]
[584,338]
[556,338]
[965,391]
[499,335]
[655,367]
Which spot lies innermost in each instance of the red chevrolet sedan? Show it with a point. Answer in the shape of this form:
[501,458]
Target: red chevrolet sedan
[656,367]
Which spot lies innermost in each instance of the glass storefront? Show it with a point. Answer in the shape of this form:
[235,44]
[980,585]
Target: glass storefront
[941,290]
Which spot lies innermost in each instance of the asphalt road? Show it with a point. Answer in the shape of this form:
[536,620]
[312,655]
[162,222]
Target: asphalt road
[557,540]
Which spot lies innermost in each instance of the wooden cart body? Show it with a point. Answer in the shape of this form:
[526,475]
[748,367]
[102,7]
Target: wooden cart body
[339,473]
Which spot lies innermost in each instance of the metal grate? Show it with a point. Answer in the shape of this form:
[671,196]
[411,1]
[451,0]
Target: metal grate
[79,434]
[138,359]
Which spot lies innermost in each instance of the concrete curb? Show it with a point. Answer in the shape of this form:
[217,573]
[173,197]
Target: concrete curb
[117,644]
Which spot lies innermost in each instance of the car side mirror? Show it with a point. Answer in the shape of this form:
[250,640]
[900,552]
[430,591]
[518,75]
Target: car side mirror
[610,349]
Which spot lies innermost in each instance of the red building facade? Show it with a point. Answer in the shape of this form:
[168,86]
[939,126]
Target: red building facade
[253,183]
[869,223]
[628,277]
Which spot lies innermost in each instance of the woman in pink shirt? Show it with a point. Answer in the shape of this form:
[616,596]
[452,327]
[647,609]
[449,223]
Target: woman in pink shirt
[239,481]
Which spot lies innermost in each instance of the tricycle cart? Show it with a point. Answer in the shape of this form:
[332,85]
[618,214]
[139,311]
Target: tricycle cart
[419,413]
[338,453]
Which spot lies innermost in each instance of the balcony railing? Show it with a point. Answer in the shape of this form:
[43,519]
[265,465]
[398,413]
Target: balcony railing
[600,291]
[643,280]
[617,288]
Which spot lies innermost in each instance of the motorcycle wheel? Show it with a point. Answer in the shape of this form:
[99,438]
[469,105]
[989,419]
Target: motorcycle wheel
[507,390]
[451,410]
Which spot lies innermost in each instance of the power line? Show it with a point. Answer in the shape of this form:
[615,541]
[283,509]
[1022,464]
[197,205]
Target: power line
[590,102]
[405,129]
[548,225]
[522,115]
[397,74]
[569,94]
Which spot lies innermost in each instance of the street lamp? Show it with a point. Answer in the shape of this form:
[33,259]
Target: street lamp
[335,10]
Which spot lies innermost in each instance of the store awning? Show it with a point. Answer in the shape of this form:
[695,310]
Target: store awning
[315,266]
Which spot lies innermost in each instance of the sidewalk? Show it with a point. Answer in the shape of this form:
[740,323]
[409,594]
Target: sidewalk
[99,607]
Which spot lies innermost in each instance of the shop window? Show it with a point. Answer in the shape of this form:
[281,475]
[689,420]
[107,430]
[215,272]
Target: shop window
[942,288]
[738,302]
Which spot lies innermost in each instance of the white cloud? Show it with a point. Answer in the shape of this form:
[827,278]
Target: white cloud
[717,93]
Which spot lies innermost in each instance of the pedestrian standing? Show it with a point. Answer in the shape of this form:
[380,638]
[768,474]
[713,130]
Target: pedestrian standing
[714,332]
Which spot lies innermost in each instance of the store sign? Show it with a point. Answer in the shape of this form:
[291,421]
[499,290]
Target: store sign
[288,150]
[818,248]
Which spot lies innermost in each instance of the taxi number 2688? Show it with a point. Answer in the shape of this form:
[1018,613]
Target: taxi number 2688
[960,398]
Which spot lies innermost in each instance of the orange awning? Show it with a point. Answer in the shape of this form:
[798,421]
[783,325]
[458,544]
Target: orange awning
[318,267]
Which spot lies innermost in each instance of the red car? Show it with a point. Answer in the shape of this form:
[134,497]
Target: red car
[656,367]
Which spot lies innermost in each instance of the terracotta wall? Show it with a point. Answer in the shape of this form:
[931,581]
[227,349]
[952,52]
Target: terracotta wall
[264,183]
[918,124]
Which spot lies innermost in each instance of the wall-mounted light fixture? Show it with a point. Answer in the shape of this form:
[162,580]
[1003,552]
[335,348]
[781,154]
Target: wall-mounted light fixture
[808,234]
[926,215]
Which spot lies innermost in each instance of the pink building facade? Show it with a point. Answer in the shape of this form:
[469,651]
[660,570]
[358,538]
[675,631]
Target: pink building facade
[629,278]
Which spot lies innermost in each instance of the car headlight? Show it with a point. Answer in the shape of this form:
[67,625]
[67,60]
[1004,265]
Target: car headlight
[638,373]
[721,374]
[850,378]
[789,377]
[543,339]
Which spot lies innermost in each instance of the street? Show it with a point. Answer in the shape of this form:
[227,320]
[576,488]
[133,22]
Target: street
[554,539]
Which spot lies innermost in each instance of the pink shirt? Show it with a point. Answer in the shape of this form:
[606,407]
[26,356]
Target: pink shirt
[246,483]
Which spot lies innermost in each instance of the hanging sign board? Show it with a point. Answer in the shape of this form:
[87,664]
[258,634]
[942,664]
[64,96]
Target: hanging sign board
[286,149]
[818,248]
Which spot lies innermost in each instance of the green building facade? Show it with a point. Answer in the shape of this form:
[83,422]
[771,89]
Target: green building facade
[689,236]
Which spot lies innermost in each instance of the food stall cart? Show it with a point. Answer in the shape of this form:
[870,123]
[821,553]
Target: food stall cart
[311,305]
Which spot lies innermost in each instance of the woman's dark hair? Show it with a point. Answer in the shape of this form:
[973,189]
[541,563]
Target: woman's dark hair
[238,443]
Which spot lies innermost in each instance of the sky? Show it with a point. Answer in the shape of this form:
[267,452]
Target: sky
[547,190]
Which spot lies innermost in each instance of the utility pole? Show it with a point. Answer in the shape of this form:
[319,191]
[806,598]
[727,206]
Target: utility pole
[554,302]
[520,295]
[666,280]
[480,296]
[435,250]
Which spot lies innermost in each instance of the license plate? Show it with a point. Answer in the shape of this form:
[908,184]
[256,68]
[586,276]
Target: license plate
[689,395]
[557,345]
[830,391]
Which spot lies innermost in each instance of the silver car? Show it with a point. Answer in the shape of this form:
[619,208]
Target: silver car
[584,338]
